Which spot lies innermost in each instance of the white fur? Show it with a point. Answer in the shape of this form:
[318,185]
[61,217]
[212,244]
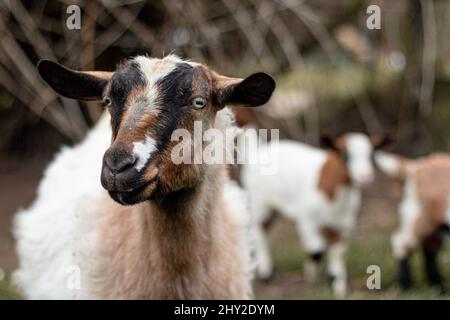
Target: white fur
[237,200]
[387,163]
[404,239]
[293,191]
[359,149]
[46,232]
[154,70]
[409,209]
[142,151]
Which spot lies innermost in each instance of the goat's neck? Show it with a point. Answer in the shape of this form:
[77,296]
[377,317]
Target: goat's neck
[183,226]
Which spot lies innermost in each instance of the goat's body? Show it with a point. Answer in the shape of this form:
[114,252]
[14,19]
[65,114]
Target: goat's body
[294,191]
[76,242]
[423,211]
[425,203]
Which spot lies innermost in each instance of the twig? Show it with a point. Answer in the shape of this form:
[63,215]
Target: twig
[428,57]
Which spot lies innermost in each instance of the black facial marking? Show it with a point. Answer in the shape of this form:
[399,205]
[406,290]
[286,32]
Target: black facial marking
[175,95]
[125,79]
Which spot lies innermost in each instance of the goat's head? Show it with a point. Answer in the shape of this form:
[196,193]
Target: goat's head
[148,99]
[356,150]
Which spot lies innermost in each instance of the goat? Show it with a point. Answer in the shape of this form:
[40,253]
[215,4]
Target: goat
[319,190]
[424,211]
[156,230]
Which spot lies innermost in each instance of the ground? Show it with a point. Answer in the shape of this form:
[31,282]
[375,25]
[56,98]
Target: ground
[369,245]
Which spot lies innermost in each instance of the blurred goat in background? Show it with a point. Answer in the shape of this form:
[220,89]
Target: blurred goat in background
[320,190]
[424,211]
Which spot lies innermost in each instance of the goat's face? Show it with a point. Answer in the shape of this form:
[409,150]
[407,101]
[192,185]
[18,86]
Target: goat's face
[356,149]
[148,99]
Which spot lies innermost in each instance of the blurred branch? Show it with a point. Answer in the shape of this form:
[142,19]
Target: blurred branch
[313,23]
[428,57]
[29,28]
[27,70]
[88,50]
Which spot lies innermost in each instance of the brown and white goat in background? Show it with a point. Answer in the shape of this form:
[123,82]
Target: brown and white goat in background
[162,230]
[424,211]
[319,190]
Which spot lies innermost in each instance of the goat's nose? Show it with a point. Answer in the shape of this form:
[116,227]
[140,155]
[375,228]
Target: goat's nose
[118,161]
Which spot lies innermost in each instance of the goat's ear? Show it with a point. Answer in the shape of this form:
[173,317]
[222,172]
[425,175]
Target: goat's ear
[81,85]
[380,141]
[252,91]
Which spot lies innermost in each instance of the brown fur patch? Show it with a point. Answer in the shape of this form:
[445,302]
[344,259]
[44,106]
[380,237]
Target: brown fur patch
[104,75]
[332,236]
[333,175]
[432,178]
[268,223]
[341,144]
[244,116]
[201,83]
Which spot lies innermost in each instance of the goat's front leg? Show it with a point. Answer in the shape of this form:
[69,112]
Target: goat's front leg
[402,244]
[337,269]
[264,266]
[314,244]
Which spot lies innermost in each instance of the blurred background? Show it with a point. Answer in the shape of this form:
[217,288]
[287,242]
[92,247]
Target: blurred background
[334,75]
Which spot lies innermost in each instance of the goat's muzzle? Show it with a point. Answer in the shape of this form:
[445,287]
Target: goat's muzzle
[121,179]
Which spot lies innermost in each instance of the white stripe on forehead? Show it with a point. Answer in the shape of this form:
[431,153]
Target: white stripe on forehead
[155,69]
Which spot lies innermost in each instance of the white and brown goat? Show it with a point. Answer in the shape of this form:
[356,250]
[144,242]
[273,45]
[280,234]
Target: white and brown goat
[319,190]
[161,230]
[424,210]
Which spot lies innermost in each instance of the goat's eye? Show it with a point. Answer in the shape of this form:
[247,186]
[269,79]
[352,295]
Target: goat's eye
[199,103]
[107,101]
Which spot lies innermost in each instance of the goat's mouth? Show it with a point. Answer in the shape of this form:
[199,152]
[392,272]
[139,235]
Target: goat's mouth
[135,195]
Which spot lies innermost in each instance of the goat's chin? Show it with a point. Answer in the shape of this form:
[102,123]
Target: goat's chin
[135,196]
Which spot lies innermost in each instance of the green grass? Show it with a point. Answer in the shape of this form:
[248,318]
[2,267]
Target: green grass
[6,289]
[373,250]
